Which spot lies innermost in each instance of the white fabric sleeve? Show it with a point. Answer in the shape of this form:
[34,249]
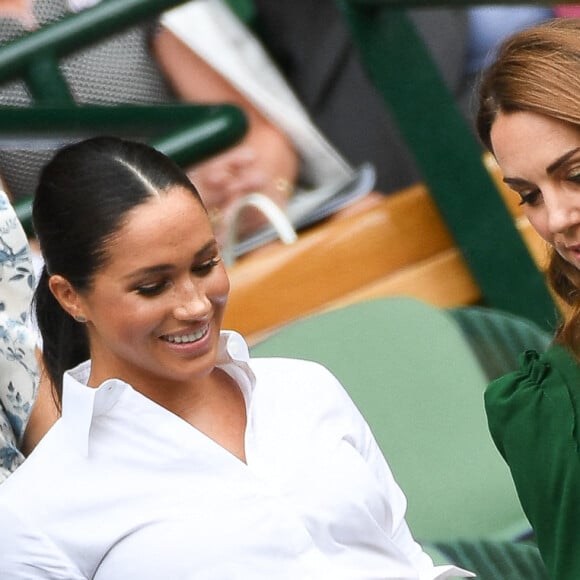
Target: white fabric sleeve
[26,554]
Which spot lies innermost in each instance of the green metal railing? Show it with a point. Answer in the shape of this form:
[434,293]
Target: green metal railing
[184,132]
[35,56]
[188,133]
[449,155]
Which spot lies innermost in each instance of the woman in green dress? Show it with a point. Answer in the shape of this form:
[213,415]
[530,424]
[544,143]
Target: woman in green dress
[529,118]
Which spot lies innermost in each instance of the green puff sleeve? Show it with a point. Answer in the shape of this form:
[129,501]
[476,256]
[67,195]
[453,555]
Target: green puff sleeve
[533,418]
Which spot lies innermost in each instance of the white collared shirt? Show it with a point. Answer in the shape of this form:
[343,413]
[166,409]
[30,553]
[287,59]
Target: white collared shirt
[121,488]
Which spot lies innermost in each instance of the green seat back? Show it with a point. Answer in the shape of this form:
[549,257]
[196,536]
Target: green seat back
[492,560]
[498,338]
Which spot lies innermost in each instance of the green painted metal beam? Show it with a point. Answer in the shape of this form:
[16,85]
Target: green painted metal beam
[245,10]
[34,57]
[138,120]
[450,159]
[76,31]
[45,81]
[198,141]
[186,133]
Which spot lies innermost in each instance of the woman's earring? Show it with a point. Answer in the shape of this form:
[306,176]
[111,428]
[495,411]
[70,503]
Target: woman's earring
[80,318]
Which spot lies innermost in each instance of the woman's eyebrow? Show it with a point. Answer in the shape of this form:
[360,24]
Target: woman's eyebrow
[514,181]
[157,269]
[553,166]
[210,246]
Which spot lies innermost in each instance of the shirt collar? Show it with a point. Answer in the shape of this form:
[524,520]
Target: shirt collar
[232,348]
[80,403]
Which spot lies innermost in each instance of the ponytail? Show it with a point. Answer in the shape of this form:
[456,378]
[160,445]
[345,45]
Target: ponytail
[65,341]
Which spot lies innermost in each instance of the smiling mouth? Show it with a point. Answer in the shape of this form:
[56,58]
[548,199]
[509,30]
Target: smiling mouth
[186,338]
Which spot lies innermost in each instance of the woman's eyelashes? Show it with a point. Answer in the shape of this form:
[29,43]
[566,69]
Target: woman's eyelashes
[152,289]
[574,176]
[206,267]
[532,198]
[157,287]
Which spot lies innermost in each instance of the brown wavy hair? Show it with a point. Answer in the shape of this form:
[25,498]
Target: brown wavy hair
[538,70]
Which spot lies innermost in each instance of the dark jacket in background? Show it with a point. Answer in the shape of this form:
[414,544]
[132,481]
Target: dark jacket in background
[311,44]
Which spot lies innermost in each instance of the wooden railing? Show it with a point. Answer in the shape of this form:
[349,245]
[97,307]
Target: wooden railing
[395,246]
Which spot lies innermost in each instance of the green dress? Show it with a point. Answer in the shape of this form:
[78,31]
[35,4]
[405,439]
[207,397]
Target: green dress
[533,416]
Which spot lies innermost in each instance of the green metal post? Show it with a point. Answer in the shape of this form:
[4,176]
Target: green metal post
[450,159]
[46,83]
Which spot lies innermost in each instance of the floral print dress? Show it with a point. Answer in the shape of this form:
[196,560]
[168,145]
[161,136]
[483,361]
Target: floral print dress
[18,367]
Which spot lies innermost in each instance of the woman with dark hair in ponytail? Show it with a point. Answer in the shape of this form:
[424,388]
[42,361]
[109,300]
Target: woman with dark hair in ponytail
[177,455]
[529,118]
[83,197]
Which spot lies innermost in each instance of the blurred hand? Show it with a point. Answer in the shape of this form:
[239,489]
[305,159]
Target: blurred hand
[263,163]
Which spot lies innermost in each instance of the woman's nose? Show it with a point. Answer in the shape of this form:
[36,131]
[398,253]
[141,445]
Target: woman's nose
[191,301]
[563,212]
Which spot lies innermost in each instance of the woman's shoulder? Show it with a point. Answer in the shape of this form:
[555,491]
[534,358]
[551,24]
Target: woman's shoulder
[305,395]
[291,371]
[297,379]
[544,390]
[556,366]
[276,363]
